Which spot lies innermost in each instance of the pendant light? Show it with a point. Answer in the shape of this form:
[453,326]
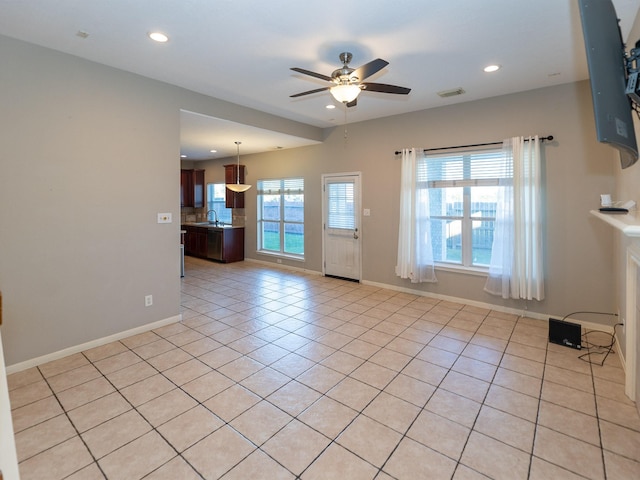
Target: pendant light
[238,187]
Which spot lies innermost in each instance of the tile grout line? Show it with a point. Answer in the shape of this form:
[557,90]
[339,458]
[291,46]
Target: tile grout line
[321,291]
[595,402]
[66,414]
[471,429]
[536,424]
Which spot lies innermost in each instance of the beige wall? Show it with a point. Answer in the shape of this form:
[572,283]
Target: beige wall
[89,156]
[577,169]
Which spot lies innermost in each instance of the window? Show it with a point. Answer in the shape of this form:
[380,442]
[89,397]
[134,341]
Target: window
[341,209]
[463,194]
[216,201]
[281,216]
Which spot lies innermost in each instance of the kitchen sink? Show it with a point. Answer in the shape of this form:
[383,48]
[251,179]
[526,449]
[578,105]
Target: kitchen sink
[210,224]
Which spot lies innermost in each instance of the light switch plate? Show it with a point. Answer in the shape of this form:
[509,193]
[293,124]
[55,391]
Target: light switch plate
[164,218]
[366,212]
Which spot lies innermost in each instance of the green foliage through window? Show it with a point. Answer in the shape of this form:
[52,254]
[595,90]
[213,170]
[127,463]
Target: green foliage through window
[281,216]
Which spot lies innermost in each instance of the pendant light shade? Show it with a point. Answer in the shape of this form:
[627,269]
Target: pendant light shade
[238,187]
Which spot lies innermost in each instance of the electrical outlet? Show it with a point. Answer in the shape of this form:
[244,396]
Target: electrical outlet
[164,218]
[148,300]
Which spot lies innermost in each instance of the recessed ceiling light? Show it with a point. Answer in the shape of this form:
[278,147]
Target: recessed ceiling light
[183,156]
[330,106]
[492,68]
[213,151]
[158,37]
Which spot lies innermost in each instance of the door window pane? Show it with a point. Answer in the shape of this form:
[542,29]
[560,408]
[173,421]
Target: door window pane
[341,208]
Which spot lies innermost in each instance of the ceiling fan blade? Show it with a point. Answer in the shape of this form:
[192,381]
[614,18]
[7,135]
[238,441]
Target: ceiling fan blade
[353,103]
[384,88]
[309,92]
[313,74]
[370,68]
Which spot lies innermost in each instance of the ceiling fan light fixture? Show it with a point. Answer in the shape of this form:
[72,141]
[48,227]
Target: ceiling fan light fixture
[238,187]
[345,93]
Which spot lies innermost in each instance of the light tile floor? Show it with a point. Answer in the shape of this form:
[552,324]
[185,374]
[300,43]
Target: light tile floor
[277,374]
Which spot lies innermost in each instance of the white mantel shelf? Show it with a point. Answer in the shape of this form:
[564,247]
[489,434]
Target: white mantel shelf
[627,223]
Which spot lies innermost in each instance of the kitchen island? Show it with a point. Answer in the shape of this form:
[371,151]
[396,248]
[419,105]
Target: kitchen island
[214,241]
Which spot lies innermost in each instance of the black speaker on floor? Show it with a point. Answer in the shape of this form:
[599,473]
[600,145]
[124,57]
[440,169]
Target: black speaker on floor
[565,333]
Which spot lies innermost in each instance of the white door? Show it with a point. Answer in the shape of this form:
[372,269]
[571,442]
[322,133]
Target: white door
[342,235]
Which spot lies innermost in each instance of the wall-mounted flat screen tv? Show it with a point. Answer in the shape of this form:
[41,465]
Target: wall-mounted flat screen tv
[608,75]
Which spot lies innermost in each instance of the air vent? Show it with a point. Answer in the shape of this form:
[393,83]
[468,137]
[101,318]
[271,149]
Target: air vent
[451,93]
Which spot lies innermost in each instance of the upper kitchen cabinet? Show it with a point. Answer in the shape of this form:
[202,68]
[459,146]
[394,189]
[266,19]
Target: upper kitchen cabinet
[192,188]
[234,199]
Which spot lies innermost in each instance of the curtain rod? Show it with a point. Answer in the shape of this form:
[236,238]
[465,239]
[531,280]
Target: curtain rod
[542,139]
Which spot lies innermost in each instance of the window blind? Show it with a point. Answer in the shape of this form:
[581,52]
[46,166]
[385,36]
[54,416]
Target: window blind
[341,206]
[288,186]
[461,169]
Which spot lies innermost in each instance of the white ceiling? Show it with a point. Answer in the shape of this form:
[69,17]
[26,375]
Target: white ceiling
[241,51]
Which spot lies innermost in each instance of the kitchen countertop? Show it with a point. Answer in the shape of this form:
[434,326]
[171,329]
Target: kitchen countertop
[210,225]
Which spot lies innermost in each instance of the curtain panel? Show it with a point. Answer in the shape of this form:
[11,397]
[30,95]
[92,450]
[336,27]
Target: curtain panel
[415,253]
[516,269]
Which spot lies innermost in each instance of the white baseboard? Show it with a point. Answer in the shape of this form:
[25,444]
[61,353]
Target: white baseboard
[34,362]
[489,306]
[282,266]
[623,362]
[144,328]
[450,298]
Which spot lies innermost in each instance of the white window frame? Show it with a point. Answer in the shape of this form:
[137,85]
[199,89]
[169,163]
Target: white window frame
[224,214]
[283,191]
[467,182]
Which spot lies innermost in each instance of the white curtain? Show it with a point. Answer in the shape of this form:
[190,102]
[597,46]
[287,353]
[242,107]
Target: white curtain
[516,269]
[415,254]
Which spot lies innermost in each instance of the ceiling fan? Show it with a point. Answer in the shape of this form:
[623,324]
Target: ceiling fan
[347,82]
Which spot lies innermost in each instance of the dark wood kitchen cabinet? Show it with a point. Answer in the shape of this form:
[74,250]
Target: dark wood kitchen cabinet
[232,245]
[195,242]
[186,186]
[192,188]
[234,199]
[224,244]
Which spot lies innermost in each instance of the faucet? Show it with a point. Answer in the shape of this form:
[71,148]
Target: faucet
[215,215]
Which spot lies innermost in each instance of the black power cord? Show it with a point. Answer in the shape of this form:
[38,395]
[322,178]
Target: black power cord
[599,349]
[604,349]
